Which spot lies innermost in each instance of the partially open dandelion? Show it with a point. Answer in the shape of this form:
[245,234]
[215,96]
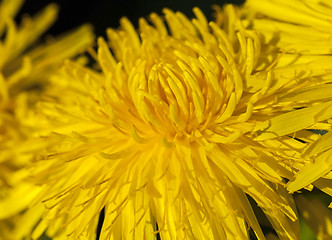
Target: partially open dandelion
[24,72]
[182,124]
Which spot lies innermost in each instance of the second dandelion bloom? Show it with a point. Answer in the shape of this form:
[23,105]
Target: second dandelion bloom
[184,121]
[25,68]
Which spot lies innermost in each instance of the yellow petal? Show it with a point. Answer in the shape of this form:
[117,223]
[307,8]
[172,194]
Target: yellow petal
[293,121]
[250,216]
[311,172]
[308,94]
[320,145]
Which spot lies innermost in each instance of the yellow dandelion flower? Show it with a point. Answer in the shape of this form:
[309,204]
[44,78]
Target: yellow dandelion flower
[184,123]
[302,32]
[24,72]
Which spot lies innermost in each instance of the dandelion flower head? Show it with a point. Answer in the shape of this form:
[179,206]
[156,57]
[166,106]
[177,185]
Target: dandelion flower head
[25,69]
[301,30]
[302,35]
[184,121]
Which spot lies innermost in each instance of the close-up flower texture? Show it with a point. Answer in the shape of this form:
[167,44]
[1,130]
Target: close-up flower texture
[172,127]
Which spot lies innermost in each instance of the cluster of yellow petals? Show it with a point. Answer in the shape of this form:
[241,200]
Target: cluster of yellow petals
[183,122]
[301,30]
[25,70]
[298,27]
[180,129]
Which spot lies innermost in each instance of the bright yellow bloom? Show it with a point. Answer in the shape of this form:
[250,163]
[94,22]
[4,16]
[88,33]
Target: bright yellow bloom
[302,31]
[179,126]
[24,72]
